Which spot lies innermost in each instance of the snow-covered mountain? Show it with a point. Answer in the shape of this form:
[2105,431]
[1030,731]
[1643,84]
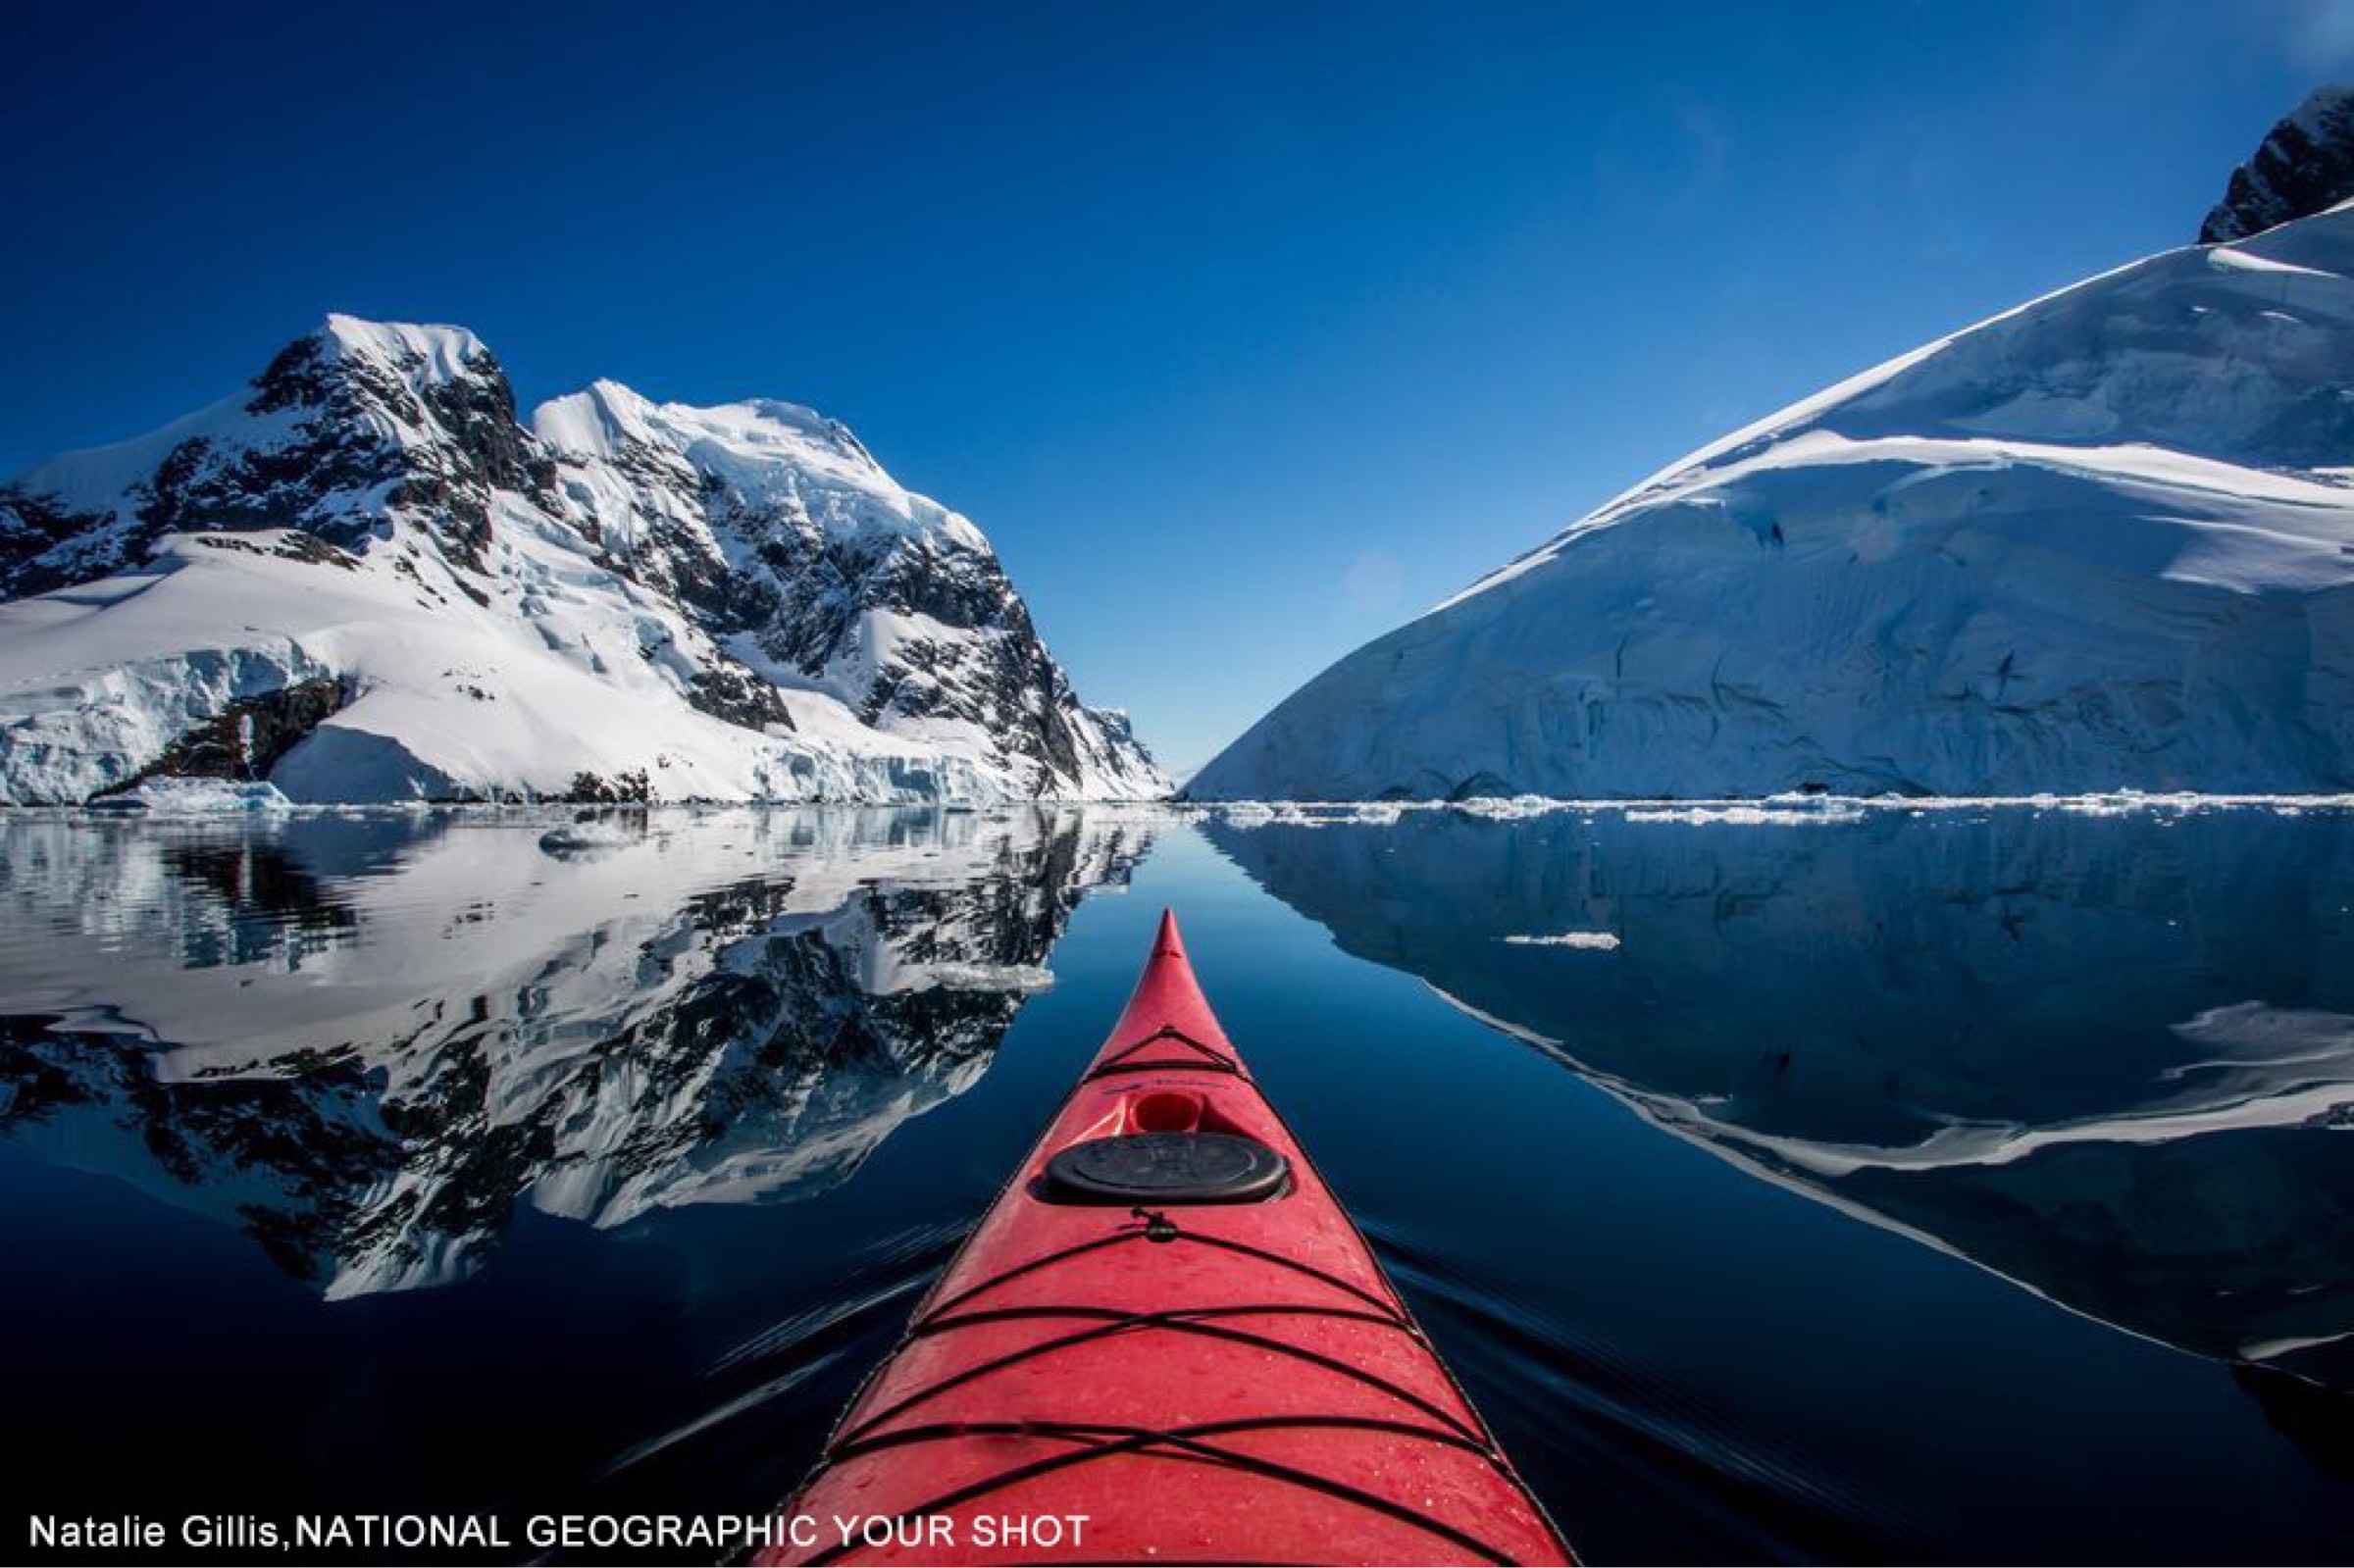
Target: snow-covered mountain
[365,579]
[2103,541]
[371,1043]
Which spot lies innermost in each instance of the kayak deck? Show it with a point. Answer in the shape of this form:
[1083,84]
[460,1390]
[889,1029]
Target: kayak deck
[1168,1328]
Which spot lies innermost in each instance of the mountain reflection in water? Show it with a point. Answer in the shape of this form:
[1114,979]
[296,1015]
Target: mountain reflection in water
[366,1041]
[2111,1059]
[466,1162]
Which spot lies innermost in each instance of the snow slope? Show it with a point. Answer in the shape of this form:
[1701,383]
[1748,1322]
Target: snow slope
[2105,540]
[365,579]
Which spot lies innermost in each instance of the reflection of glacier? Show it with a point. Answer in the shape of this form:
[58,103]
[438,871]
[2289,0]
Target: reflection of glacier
[366,1040]
[2111,1059]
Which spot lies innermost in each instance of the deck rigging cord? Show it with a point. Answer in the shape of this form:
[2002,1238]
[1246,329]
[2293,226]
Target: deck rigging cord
[1101,1441]
[1114,1062]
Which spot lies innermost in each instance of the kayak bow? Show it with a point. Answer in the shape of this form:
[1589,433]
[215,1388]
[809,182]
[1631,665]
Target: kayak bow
[1168,1328]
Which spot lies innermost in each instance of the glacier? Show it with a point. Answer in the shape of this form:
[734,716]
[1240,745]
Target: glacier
[2102,541]
[364,579]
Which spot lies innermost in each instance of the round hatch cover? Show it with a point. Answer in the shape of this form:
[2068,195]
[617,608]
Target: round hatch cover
[1167,1168]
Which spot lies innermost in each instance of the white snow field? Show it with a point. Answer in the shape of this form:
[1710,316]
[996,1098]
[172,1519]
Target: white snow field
[738,603]
[2104,541]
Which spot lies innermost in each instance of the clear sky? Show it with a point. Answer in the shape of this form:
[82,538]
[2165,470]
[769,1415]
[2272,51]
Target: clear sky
[1246,331]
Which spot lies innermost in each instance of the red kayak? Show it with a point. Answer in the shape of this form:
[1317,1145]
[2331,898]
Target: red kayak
[1166,1342]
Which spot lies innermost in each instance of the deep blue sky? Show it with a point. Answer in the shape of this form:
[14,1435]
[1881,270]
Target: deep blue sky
[1245,331]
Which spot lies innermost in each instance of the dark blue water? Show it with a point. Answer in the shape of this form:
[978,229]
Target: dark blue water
[1969,1184]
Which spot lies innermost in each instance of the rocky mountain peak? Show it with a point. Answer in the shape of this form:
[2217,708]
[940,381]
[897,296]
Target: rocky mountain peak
[816,568]
[631,554]
[419,357]
[2305,166]
[348,426]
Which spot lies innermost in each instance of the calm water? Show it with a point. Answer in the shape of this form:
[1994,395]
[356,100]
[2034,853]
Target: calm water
[1969,1184]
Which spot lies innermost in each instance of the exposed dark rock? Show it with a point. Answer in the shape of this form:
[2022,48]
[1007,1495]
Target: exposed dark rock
[245,740]
[294,545]
[592,790]
[2305,166]
[39,535]
[732,693]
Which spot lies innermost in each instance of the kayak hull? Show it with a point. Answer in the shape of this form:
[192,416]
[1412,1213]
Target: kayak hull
[1197,1379]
